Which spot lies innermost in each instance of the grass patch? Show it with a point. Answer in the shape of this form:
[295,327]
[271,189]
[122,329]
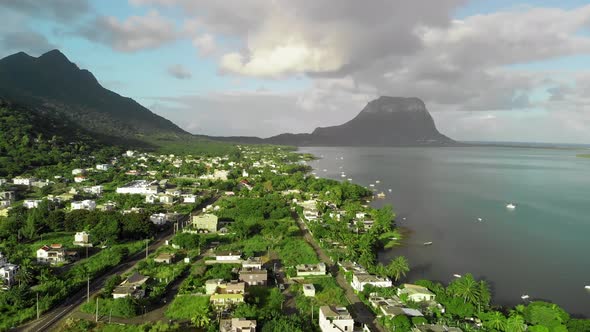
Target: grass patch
[185,306]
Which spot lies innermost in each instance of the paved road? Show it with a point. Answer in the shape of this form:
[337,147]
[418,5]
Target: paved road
[360,312]
[51,318]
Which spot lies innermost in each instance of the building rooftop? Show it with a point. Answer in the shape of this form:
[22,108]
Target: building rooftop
[335,312]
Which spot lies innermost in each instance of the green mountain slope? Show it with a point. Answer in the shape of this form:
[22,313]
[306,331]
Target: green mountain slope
[52,83]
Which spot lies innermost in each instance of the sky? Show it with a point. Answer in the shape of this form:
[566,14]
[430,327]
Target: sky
[487,70]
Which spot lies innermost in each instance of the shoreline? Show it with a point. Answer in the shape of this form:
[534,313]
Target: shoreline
[408,233]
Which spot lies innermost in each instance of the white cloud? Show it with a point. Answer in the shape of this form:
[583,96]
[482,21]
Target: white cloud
[205,43]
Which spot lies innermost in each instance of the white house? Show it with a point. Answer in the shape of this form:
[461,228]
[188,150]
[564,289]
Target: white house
[94,190]
[359,280]
[416,293]
[31,203]
[77,171]
[52,254]
[151,199]
[7,271]
[23,181]
[189,198]
[308,290]
[335,319]
[84,205]
[141,187]
[311,269]
[158,219]
[103,167]
[166,199]
[228,256]
[82,239]
[80,178]
[237,325]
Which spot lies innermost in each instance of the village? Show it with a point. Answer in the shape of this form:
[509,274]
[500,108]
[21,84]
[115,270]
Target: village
[222,243]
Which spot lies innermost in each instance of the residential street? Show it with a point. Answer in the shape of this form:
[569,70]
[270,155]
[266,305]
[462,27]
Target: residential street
[359,310]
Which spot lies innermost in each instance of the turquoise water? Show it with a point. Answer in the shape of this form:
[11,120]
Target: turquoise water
[542,248]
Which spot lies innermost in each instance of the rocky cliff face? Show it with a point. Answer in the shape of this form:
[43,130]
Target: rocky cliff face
[386,121]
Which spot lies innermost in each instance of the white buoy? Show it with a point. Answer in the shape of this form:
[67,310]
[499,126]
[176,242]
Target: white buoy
[457,275]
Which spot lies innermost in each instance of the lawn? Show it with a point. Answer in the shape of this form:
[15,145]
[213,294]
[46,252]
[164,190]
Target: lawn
[185,306]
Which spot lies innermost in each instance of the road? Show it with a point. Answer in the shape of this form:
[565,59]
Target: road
[51,318]
[361,313]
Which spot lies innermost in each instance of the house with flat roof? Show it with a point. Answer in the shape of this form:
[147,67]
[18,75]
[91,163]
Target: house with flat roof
[335,319]
[229,256]
[416,293]
[140,187]
[309,290]
[131,287]
[205,222]
[82,239]
[83,205]
[252,263]
[237,325]
[253,276]
[7,272]
[304,270]
[361,279]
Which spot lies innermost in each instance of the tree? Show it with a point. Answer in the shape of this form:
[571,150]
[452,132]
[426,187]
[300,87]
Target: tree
[24,275]
[398,268]
[466,288]
[201,317]
[515,323]
[495,320]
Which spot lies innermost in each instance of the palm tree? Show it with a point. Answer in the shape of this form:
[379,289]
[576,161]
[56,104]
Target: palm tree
[484,295]
[24,274]
[495,320]
[201,317]
[467,288]
[515,323]
[398,268]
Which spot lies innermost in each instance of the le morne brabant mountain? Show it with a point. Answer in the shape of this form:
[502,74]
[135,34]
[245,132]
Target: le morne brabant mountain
[386,121]
[53,84]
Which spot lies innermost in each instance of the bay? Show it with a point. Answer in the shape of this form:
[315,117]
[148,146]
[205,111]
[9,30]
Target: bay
[541,248]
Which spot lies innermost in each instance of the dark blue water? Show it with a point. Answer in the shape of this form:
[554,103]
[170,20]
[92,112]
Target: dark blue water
[542,248]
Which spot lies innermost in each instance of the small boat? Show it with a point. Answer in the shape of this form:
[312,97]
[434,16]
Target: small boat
[457,275]
[377,181]
[325,170]
[525,297]
[479,219]
[349,179]
[587,287]
[428,243]
[389,190]
[510,206]
[343,175]
[381,195]
[404,218]
[371,185]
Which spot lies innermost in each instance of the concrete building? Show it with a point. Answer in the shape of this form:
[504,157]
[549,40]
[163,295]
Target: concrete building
[416,293]
[52,254]
[335,319]
[205,222]
[82,239]
[237,325]
[309,290]
[304,270]
[84,205]
[254,277]
[7,272]
[140,187]
[31,203]
[131,287]
[360,280]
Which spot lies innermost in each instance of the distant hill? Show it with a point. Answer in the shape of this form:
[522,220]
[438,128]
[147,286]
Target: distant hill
[52,83]
[386,121]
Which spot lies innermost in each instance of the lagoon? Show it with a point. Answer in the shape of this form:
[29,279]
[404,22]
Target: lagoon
[541,248]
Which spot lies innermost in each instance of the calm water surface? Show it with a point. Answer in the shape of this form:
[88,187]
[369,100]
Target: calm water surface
[542,248]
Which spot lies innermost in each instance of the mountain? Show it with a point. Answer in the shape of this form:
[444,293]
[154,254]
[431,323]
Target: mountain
[53,83]
[385,121]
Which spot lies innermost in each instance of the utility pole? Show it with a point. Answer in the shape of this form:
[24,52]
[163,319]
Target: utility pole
[312,313]
[38,306]
[96,318]
[87,289]
[146,248]
[110,315]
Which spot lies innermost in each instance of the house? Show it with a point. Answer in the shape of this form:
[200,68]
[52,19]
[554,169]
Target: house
[254,277]
[189,198]
[93,190]
[139,187]
[304,270]
[361,279]
[7,272]
[335,319]
[133,210]
[211,285]
[229,256]
[131,287]
[393,311]
[103,167]
[252,263]
[109,206]
[435,328]
[80,178]
[78,171]
[205,222]
[166,199]
[416,293]
[31,203]
[3,181]
[40,183]
[82,239]
[223,300]
[158,219]
[217,175]
[165,258]
[51,254]
[23,181]
[151,199]
[237,325]
[83,205]
[7,195]
[308,290]
[228,293]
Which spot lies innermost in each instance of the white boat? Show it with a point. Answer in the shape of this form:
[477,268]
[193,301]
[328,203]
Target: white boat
[404,218]
[587,287]
[349,179]
[371,185]
[343,175]
[389,190]
[479,219]
[510,206]
[377,181]
[428,243]
[525,297]
[381,195]
[457,275]
[325,170]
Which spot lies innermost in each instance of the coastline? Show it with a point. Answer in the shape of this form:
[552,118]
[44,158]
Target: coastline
[408,233]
